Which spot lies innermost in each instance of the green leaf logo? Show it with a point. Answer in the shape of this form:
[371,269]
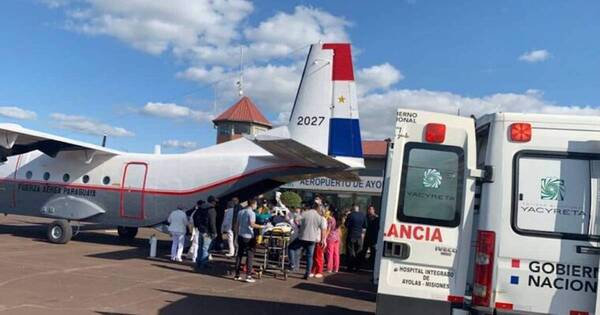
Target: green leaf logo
[432,178]
[552,188]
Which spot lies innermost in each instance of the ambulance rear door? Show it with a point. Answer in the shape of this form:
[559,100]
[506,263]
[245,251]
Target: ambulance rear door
[428,214]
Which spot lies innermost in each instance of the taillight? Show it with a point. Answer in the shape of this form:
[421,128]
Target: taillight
[520,132]
[435,133]
[484,268]
[504,306]
[456,299]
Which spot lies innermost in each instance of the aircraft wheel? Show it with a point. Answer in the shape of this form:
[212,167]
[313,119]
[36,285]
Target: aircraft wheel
[126,232]
[59,232]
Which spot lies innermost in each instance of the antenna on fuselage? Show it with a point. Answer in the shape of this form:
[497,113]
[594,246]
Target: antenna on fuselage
[104,141]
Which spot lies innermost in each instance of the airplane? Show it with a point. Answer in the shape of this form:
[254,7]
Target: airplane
[44,175]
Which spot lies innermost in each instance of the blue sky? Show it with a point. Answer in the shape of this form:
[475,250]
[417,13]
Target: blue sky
[144,72]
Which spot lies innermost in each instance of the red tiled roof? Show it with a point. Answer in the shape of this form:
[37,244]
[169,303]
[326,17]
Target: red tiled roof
[244,110]
[374,148]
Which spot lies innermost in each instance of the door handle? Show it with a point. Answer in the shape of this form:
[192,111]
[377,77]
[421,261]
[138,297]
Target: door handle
[520,197]
[588,250]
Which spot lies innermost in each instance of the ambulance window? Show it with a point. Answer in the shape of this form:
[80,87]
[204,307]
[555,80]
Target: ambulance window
[432,181]
[553,195]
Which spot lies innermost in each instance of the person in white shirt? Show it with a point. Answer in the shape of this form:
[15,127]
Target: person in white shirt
[178,222]
[193,251]
[227,228]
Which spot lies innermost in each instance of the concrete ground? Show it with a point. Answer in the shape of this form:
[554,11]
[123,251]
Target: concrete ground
[96,274]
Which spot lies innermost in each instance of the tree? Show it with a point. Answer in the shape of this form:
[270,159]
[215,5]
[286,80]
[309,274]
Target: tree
[291,199]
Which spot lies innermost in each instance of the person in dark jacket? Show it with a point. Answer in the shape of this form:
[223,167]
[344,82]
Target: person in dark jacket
[236,209]
[356,224]
[370,237]
[205,219]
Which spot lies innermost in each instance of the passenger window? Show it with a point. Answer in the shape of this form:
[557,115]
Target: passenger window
[106,180]
[85,179]
[66,177]
[432,184]
[553,195]
[46,176]
[29,174]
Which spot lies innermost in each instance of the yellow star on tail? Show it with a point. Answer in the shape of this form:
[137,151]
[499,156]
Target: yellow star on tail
[341,99]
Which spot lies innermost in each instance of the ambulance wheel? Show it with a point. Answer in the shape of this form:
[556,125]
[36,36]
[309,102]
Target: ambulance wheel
[59,232]
[127,233]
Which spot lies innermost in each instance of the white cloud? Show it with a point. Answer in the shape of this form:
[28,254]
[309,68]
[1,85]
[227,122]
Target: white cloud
[207,36]
[377,77]
[203,74]
[174,111]
[535,56]
[378,110]
[16,112]
[88,126]
[284,33]
[179,144]
[157,26]
[55,3]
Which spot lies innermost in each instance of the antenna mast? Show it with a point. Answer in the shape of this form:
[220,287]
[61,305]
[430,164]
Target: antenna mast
[240,83]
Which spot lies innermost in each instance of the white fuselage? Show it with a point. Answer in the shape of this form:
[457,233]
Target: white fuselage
[130,189]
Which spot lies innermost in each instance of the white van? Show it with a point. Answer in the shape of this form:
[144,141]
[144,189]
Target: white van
[534,229]
[538,228]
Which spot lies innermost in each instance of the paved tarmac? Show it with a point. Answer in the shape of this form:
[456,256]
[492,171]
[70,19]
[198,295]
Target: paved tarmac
[97,274]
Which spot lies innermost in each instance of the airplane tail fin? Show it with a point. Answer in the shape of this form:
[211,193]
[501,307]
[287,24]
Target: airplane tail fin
[325,112]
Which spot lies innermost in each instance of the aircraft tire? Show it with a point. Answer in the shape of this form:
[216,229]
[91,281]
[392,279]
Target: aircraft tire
[59,232]
[127,233]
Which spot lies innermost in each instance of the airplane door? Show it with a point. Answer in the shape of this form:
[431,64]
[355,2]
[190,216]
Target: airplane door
[133,187]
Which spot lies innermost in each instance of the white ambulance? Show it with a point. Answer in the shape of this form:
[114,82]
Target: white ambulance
[494,216]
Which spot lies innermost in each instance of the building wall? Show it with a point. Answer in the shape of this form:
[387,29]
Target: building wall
[368,192]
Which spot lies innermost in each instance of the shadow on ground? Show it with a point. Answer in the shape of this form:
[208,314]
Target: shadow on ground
[207,304]
[33,231]
[336,291]
[348,280]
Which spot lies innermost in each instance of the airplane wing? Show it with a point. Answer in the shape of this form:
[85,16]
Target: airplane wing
[15,140]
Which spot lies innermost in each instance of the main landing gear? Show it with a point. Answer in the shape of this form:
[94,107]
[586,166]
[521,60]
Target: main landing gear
[60,232]
[127,233]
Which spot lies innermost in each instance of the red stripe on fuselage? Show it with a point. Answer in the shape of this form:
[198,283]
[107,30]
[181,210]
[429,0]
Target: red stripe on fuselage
[166,191]
[342,62]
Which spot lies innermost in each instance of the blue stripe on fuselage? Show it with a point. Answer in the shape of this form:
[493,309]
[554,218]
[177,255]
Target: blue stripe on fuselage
[344,137]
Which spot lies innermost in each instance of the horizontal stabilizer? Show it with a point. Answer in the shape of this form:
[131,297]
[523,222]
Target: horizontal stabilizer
[297,153]
[15,140]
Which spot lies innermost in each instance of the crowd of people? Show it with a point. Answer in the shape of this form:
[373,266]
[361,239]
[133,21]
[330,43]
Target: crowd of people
[319,232]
